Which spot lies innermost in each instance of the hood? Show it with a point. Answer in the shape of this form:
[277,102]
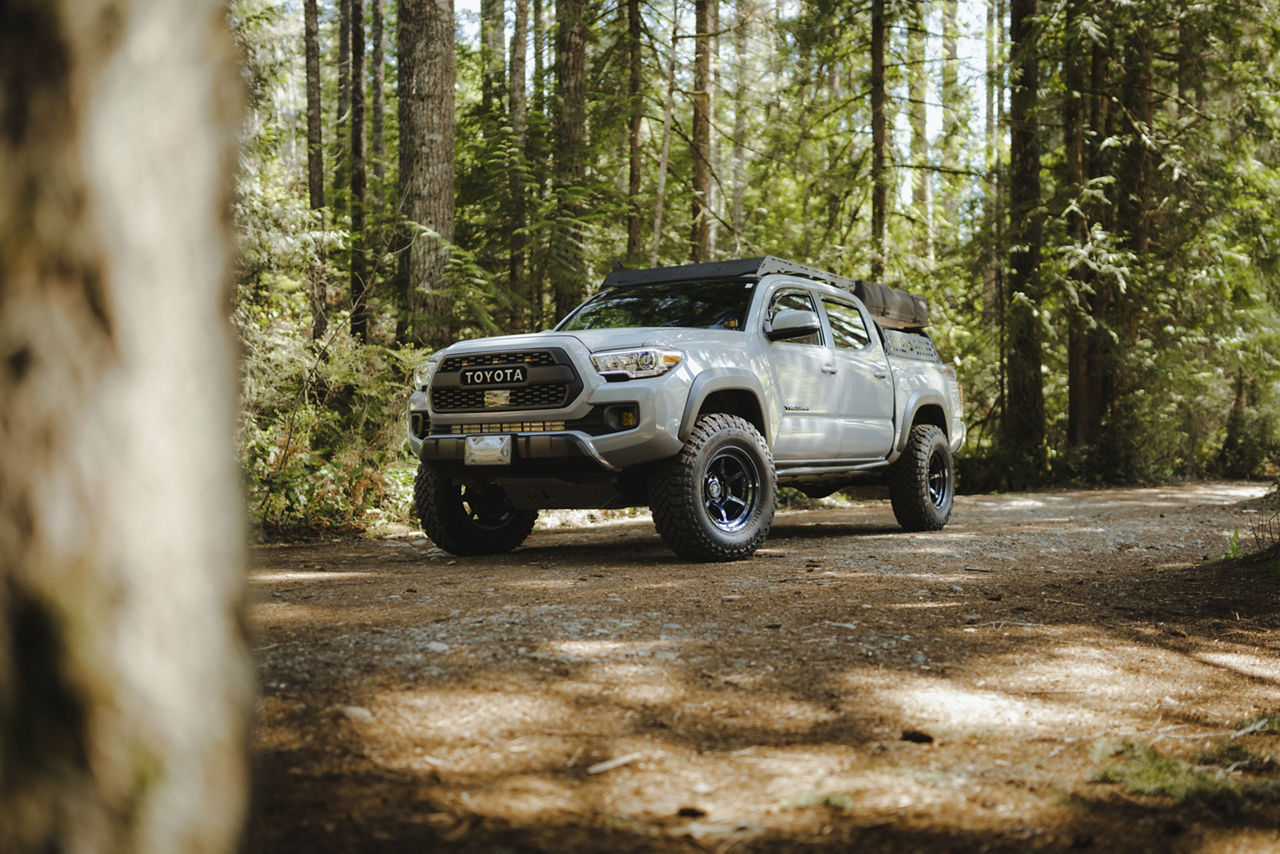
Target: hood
[595,340]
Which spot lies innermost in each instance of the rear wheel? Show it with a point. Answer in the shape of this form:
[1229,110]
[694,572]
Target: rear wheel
[468,518]
[922,482]
[715,500]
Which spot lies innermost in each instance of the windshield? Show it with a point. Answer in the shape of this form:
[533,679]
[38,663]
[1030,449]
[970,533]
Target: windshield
[705,305]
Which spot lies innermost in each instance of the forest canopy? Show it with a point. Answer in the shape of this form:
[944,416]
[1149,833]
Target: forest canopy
[1085,191]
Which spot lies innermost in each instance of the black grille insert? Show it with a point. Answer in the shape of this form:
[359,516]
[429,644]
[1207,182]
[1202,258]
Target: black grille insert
[533,358]
[552,383]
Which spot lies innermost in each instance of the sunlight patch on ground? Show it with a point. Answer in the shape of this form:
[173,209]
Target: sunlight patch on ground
[557,519]
[540,583]
[588,650]
[940,702]
[318,575]
[1248,665]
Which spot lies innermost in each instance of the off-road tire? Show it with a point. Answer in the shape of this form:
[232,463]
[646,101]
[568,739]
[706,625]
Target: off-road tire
[715,500]
[468,520]
[922,482]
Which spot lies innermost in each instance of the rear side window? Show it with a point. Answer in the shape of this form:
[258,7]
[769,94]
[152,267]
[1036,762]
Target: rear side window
[847,328]
[795,300]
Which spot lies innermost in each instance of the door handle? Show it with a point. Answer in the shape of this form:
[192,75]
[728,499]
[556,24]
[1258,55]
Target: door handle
[880,375]
[828,369]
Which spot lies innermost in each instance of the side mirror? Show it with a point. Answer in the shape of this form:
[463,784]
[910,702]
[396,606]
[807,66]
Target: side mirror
[792,323]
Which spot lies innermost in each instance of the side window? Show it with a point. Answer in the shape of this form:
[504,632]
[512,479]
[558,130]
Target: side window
[795,300]
[847,327]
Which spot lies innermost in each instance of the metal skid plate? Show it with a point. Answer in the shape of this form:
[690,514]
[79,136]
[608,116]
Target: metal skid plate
[487,451]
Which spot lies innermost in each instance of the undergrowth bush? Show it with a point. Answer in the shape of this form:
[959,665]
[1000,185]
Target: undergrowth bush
[322,433]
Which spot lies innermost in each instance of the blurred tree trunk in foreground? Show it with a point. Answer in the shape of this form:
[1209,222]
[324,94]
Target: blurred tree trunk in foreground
[124,680]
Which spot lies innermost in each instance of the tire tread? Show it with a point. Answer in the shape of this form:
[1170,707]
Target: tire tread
[909,482]
[434,498]
[674,494]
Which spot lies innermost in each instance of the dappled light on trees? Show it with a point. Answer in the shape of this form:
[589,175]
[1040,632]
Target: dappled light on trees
[1082,189]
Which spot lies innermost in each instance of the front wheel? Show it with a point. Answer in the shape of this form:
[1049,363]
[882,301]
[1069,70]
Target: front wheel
[715,500]
[922,482]
[468,518]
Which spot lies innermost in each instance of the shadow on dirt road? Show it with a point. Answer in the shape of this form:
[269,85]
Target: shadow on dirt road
[850,687]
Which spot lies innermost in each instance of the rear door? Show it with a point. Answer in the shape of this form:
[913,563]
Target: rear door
[864,383]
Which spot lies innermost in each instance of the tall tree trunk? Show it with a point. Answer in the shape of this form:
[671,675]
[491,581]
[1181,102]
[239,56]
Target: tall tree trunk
[537,157]
[714,213]
[918,94]
[738,209]
[125,680]
[635,155]
[340,162]
[1098,359]
[492,59]
[1135,178]
[1133,212]
[1190,74]
[993,292]
[570,155]
[879,144]
[1084,390]
[952,94]
[378,83]
[955,113]
[700,235]
[425,41]
[1024,419]
[664,157]
[315,162]
[539,59]
[517,283]
[359,281]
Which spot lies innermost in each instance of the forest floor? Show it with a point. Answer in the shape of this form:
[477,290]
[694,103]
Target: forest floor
[1059,670]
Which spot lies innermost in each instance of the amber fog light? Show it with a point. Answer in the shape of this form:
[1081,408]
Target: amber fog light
[622,417]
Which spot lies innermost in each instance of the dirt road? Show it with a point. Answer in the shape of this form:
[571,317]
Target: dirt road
[852,687]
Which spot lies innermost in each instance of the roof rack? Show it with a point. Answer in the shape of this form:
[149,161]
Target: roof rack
[889,306]
[724,270]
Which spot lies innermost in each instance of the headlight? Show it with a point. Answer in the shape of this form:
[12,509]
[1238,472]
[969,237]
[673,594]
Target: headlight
[635,364]
[424,372]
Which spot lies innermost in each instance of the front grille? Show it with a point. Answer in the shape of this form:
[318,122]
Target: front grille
[547,396]
[552,383]
[533,358]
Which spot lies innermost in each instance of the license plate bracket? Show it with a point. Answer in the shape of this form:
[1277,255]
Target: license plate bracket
[487,451]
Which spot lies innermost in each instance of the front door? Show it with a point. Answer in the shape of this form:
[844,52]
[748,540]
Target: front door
[808,429]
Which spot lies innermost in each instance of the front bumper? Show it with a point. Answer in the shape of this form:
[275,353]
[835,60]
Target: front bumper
[532,455]
[569,441]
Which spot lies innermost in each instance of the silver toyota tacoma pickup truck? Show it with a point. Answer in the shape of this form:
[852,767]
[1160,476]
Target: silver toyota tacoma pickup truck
[695,390]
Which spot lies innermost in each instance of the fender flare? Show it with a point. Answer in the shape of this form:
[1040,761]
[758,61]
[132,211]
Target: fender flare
[915,402]
[713,380]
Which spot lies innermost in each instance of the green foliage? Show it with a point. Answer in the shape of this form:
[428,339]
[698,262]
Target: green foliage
[321,431]
[1191,325]
[1233,547]
[1268,722]
[322,425]
[1144,771]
